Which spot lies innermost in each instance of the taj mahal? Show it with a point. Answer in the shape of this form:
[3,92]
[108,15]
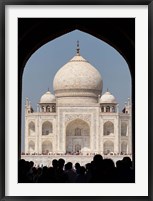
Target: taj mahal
[78,119]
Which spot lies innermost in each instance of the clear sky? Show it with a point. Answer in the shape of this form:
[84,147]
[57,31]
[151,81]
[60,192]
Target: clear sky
[42,66]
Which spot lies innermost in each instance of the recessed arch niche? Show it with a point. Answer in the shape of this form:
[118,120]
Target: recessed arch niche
[47,147]
[31,147]
[77,136]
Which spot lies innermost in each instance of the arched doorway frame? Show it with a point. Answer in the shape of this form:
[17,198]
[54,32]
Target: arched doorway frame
[31,145]
[47,143]
[49,125]
[108,126]
[109,144]
[73,121]
[119,33]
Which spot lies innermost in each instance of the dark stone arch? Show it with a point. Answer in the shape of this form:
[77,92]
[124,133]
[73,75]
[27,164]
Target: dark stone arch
[35,32]
[119,33]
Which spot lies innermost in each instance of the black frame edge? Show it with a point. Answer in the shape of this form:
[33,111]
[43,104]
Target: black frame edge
[2,95]
[78,2]
[150,100]
[2,101]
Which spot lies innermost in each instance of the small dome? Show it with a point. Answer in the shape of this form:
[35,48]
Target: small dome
[107,97]
[47,98]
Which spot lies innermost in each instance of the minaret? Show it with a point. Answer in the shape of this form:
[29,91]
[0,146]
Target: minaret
[27,106]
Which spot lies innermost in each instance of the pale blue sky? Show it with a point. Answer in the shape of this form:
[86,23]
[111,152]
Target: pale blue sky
[42,66]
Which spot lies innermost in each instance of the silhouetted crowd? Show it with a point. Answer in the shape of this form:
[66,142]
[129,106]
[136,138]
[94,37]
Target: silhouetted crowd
[97,171]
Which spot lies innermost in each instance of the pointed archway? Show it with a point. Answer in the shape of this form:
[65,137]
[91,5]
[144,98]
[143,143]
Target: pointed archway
[119,33]
[77,136]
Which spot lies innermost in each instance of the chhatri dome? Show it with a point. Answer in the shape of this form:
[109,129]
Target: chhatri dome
[47,98]
[77,78]
[107,97]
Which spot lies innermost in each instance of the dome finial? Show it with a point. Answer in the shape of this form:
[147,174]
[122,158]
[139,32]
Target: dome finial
[78,49]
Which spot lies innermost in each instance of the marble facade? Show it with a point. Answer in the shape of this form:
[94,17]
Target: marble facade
[78,119]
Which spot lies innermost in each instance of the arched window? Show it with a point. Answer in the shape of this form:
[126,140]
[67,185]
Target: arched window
[108,128]
[46,147]
[31,128]
[102,108]
[43,109]
[123,129]
[47,128]
[108,147]
[31,147]
[48,108]
[124,148]
[107,109]
[53,108]
[113,109]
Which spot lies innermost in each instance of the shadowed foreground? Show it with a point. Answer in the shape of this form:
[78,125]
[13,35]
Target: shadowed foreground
[97,171]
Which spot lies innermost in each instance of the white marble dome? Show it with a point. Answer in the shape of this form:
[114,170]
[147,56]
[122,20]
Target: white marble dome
[107,97]
[47,98]
[77,78]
